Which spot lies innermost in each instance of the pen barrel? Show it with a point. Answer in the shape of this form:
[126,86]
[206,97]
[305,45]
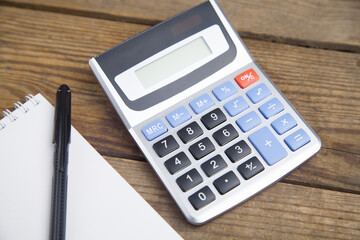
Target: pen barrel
[61,139]
[59,195]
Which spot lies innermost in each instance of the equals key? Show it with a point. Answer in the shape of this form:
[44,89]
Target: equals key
[297,140]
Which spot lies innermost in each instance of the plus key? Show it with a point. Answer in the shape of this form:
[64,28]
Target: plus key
[268,146]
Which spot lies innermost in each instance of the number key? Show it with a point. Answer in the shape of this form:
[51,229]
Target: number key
[189,180]
[201,148]
[190,132]
[238,151]
[225,135]
[165,146]
[213,165]
[177,162]
[213,118]
[202,198]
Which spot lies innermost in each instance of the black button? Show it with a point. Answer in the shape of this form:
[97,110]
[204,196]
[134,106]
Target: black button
[190,132]
[213,118]
[238,151]
[225,135]
[201,148]
[227,182]
[189,180]
[213,165]
[202,198]
[250,168]
[177,162]
[165,146]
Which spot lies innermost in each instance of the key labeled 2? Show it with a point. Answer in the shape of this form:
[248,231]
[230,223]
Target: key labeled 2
[213,165]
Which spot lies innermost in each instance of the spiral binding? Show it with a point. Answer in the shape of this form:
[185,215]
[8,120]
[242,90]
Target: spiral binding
[22,107]
[18,105]
[32,99]
[9,114]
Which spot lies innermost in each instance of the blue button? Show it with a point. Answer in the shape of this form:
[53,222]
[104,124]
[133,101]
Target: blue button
[224,91]
[236,106]
[154,129]
[268,146]
[258,93]
[297,139]
[178,116]
[284,124]
[271,108]
[201,103]
[249,121]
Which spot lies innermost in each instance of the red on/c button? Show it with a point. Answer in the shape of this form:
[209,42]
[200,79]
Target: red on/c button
[247,78]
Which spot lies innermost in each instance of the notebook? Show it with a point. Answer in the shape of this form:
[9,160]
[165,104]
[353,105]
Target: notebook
[101,204]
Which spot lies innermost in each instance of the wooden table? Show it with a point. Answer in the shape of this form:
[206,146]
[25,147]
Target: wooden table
[310,49]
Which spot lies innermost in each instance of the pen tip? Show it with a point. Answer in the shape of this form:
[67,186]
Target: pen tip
[64,87]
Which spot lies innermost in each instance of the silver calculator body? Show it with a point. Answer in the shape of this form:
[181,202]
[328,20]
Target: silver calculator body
[211,123]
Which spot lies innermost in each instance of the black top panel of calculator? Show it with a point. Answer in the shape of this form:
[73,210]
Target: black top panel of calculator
[142,46]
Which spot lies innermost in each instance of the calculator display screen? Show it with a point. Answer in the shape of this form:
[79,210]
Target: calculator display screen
[173,62]
[169,58]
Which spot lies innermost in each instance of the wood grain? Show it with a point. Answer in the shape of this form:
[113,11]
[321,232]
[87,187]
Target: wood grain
[37,56]
[284,211]
[39,50]
[326,24]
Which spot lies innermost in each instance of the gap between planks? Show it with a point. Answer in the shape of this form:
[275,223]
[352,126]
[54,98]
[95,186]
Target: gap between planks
[143,21]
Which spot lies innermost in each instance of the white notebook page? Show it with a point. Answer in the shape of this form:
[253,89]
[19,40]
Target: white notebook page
[101,204]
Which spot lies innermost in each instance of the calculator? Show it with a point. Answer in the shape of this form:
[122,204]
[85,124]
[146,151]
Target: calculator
[211,123]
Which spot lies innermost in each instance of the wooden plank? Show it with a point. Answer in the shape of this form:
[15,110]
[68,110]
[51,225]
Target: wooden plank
[37,56]
[326,24]
[331,169]
[284,211]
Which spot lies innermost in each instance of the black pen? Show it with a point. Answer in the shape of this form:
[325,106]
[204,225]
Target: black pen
[62,141]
